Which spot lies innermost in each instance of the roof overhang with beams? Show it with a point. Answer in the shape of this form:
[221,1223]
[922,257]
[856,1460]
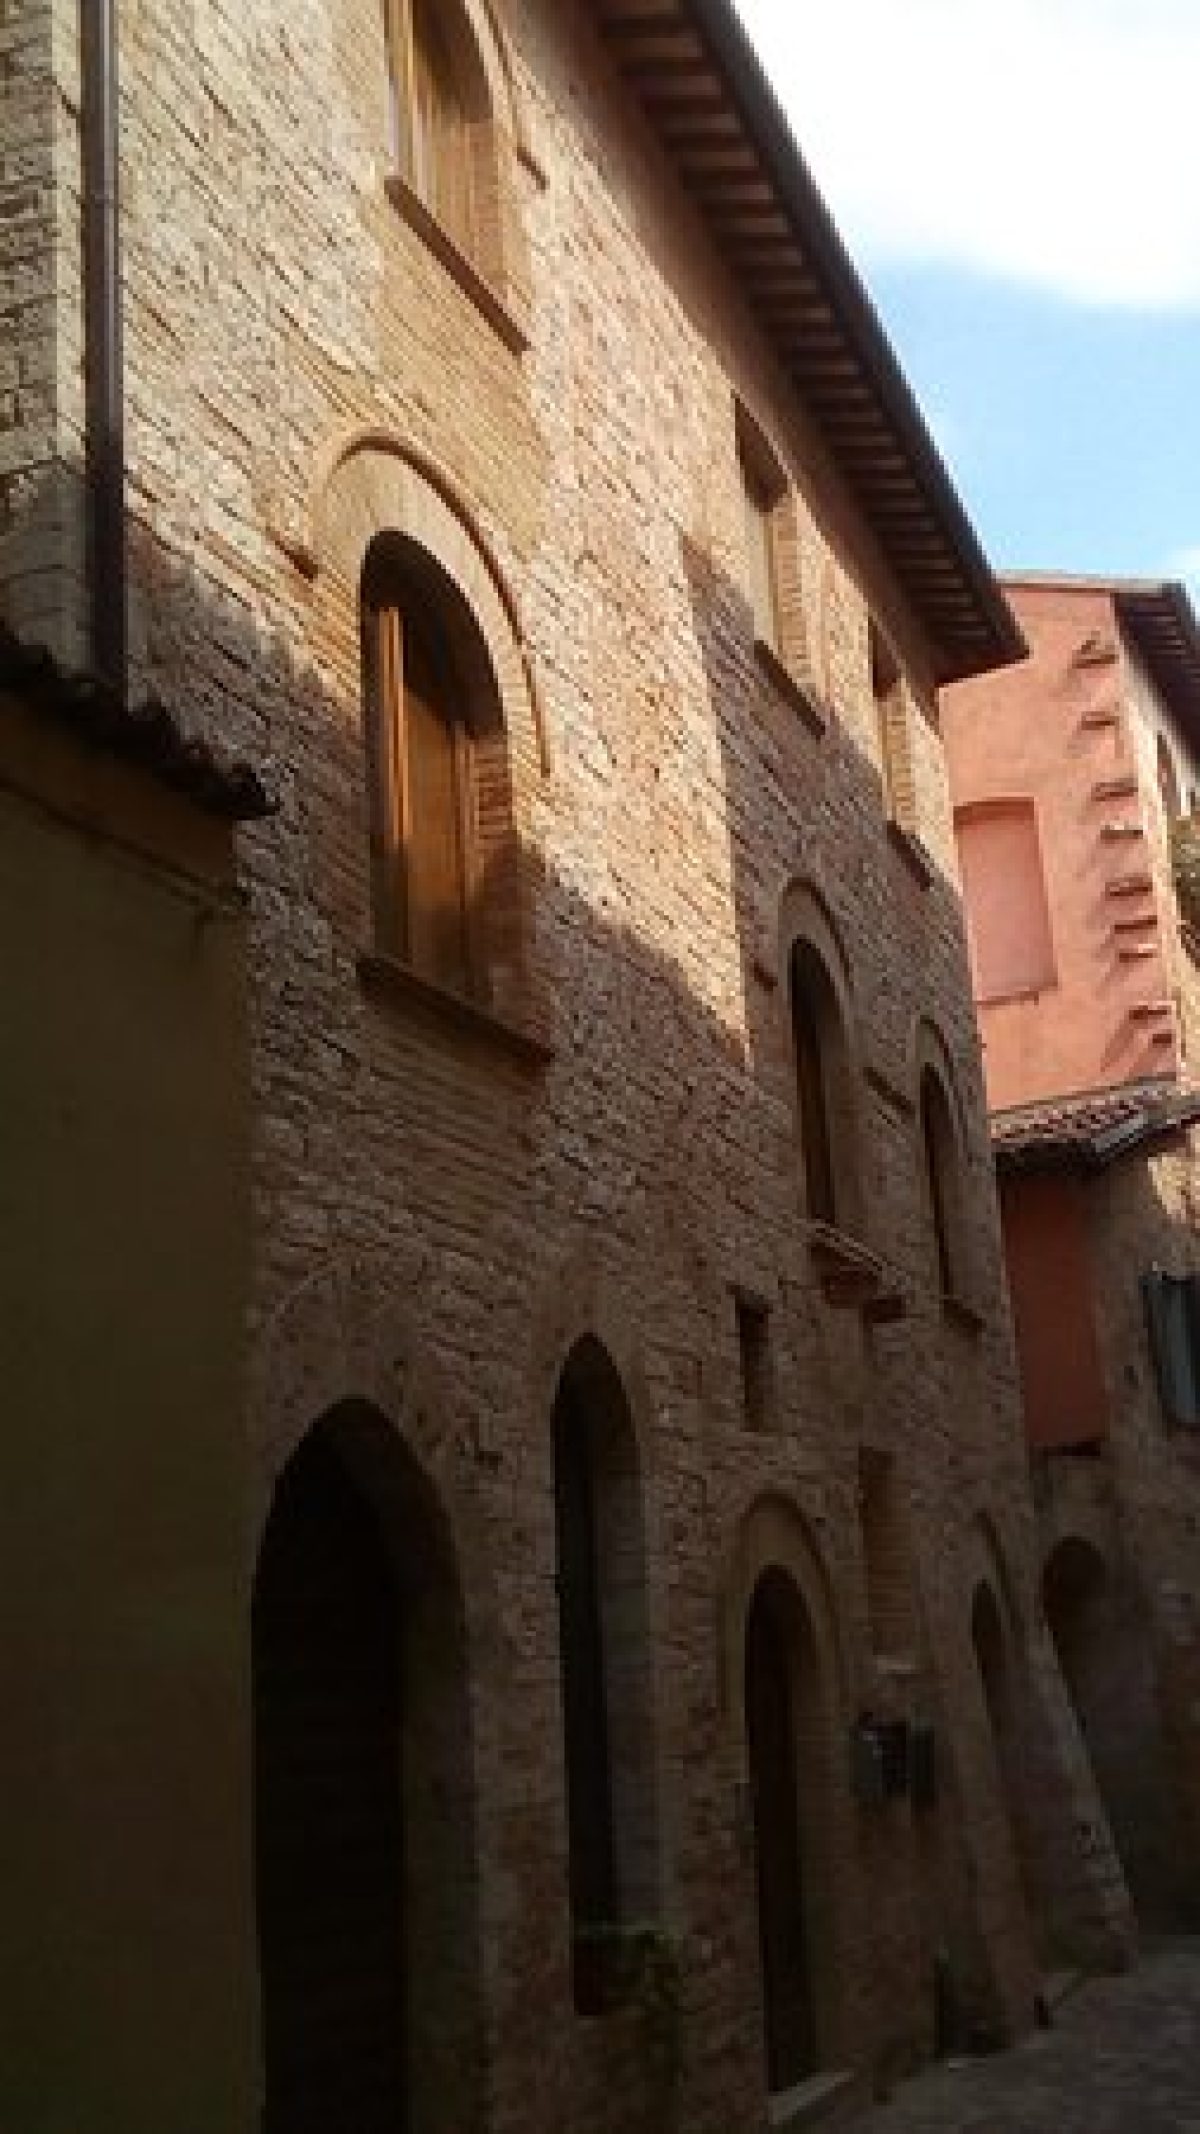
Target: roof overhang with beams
[696,76]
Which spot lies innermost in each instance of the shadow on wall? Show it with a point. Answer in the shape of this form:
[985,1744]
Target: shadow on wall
[388,1112]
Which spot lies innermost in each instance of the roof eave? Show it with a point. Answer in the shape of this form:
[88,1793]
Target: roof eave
[958,582]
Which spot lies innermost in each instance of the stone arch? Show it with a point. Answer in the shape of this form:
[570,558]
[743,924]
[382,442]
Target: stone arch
[370,481]
[988,1565]
[811,945]
[365,1841]
[583,1300]
[784,1692]
[348,1334]
[1101,1634]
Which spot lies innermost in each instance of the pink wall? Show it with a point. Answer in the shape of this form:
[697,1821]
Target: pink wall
[1054,731]
[1050,1279]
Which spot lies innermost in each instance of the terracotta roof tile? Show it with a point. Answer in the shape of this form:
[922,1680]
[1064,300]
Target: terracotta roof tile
[147,735]
[1088,1131]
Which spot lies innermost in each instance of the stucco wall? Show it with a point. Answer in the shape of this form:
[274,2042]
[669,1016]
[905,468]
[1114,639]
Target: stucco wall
[1064,730]
[123,1793]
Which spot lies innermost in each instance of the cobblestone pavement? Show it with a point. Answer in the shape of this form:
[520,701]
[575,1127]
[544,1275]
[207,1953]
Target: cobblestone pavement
[1123,2057]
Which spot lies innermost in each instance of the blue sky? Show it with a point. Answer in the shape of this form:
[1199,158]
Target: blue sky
[1017,182]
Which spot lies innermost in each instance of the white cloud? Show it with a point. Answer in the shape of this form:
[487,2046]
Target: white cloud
[1051,142]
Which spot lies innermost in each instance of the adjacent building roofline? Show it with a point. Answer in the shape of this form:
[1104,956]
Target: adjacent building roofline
[1160,621]
[147,736]
[1091,1131]
[699,80]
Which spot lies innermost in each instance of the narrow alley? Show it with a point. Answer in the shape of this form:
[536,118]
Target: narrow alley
[1122,2057]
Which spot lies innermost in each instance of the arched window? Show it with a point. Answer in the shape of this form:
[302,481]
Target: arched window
[941,1178]
[815,1039]
[604,1658]
[422,749]
[438,110]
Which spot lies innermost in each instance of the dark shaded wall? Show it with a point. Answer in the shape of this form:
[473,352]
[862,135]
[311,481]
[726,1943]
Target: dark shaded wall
[125,1967]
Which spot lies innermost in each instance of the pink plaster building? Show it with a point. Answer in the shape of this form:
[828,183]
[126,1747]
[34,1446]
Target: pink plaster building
[1075,781]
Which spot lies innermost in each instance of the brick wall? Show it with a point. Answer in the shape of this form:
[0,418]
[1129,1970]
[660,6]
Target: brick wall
[439,1220]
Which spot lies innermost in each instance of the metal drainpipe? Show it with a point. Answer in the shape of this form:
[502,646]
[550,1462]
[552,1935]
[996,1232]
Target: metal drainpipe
[103,358]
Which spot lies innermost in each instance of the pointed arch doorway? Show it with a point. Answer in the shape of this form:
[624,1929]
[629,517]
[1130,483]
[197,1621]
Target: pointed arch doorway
[363,1814]
[782,1716]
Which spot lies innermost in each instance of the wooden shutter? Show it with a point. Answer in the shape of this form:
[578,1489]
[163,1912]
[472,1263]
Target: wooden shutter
[383,647]
[441,140]
[437,792]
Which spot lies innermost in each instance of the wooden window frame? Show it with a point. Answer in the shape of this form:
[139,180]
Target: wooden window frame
[391,800]
[761,503]
[463,225]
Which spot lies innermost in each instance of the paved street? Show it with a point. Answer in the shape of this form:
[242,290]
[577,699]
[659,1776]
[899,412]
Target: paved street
[1123,2058]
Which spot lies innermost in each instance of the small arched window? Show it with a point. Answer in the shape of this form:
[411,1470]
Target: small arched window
[940,1151]
[422,761]
[815,1024]
[438,112]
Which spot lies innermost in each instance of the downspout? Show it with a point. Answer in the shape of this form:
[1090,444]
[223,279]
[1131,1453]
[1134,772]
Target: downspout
[104,399]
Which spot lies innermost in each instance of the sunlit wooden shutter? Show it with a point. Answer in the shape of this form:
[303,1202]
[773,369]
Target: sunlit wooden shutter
[437,782]
[440,128]
[383,647]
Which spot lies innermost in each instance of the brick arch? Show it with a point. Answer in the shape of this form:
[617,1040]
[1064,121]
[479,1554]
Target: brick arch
[929,1047]
[773,1533]
[345,1337]
[988,1566]
[341,1360]
[370,481]
[1089,1525]
[583,1301]
[797,1776]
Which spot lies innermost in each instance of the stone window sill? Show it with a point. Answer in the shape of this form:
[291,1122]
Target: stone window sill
[967,1317]
[1016,995]
[784,682]
[851,1275]
[474,285]
[387,978]
[915,855]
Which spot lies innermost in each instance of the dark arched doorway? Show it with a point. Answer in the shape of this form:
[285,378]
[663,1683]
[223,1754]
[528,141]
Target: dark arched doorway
[782,1723]
[362,1811]
[1108,1666]
[1000,1694]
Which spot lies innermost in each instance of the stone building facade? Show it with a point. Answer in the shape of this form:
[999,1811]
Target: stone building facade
[1087,974]
[652,1704]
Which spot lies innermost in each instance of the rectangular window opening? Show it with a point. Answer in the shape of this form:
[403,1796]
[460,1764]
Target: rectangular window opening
[754,1353]
[764,486]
